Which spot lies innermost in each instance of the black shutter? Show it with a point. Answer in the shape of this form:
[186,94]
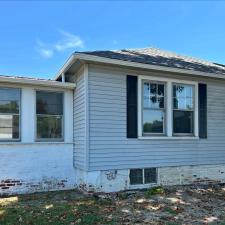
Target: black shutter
[202,96]
[131,106]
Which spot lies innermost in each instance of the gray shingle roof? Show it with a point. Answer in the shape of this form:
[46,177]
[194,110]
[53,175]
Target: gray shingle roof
[154,56]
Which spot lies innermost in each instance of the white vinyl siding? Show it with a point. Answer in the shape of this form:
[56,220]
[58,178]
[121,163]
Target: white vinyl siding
[111,149]
[79,121]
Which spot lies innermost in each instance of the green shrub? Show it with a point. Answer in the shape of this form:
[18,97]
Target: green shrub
[154,191]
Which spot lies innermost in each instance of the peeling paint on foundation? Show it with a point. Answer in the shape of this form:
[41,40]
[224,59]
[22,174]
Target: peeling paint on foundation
[36,169]
[118,180]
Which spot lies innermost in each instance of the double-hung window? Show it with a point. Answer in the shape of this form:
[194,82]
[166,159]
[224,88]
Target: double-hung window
[153,108]
[49,112]
[9,114]
[183,109]
[167,107]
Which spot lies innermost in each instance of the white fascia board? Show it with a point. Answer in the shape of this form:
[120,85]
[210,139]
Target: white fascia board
[98,59]
[66,66]
[33,82]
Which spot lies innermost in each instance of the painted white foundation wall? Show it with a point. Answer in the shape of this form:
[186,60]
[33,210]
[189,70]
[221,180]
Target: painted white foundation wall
[30,166]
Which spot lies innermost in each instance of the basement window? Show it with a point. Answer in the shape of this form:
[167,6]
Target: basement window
[143,176]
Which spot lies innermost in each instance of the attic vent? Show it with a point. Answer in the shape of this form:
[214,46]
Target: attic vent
[143,176]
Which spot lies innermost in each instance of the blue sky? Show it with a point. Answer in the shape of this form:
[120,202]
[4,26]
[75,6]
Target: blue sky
[37,37]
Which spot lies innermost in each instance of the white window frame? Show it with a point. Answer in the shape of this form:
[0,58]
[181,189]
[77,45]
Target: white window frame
[18,114]
[36,115]
[143,185]
[169,107]
[159,109]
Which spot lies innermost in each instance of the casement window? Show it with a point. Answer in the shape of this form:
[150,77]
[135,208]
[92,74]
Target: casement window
[49,116]
[153,108]
[9,114]
[165,108]
[143,176]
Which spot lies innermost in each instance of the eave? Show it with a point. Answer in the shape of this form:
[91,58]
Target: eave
[36,82]
[96,59]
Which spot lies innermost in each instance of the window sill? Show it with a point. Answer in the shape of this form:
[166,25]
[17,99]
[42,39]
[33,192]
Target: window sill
[168,138]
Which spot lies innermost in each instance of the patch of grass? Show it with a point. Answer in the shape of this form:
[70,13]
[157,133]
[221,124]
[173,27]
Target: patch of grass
[173,223]
[171,211]
[57,209]
[105,201]
[154,191]
[90,219]
[74,208]
[123,195]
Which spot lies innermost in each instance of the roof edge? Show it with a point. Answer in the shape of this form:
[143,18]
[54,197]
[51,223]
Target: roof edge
[66,65]
[33,82]
[99,59]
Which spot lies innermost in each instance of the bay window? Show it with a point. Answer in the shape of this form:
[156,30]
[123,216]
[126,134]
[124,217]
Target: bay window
[49,115]
[167,107]
[9,114]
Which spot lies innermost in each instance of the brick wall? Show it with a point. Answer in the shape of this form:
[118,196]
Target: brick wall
[26,168]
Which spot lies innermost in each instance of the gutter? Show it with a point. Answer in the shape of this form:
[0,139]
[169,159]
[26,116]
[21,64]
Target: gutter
[98,59]
[33,82]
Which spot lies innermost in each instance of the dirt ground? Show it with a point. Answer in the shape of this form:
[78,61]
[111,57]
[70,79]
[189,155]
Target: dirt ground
[170,206]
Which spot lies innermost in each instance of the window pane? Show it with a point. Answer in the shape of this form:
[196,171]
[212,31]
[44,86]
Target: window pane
[146,89]
[161,102]
[136,176]
[182,91]
[183,122]
[181,103]
[7,106]
[153,121]
[183,97]
[160,90]
[179,91]
[189,103]
[10,94]
[9,126]
[49,127]
[49,103]
[150,175]
[153,89]
[9,100]
[153,95]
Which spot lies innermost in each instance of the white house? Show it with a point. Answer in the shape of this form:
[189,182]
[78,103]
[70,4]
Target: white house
[114,120]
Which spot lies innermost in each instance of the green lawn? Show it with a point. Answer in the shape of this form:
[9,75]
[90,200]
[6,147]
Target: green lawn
[179,205]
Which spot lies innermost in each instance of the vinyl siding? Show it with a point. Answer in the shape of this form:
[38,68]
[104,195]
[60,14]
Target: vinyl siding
[109,147]
[79,121]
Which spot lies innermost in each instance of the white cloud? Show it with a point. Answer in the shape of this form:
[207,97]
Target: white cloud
[67,41]
[46,53]
[115,42]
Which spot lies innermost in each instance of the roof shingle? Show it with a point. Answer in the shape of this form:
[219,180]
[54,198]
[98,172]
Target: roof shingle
[157,57]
